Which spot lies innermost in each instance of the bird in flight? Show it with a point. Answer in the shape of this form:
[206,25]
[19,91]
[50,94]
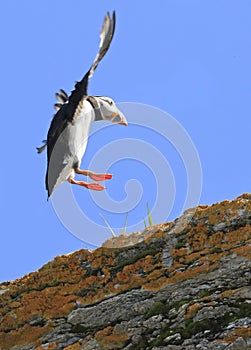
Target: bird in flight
[68,133]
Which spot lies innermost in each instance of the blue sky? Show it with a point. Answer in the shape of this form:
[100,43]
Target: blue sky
[188,58]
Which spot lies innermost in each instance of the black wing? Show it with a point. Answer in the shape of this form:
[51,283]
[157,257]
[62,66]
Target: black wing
[58,124]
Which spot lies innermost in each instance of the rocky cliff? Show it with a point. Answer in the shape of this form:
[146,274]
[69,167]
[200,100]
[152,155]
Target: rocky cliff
[179,285]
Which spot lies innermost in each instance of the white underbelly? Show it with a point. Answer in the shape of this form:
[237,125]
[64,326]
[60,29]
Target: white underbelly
[79,132]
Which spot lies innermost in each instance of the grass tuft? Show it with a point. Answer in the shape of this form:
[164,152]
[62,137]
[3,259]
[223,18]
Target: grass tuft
[149,218]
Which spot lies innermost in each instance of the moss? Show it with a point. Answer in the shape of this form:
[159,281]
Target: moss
[204,293]
[160,308]
[242,310]
[177,304]
[181,243]
[192,328]
[245,309]
[157,308]
[141,345]
[165,332]
[216,250]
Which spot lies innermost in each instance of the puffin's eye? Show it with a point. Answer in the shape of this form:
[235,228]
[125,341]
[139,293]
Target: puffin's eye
[110,103]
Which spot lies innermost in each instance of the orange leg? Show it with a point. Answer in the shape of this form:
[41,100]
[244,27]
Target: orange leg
[91,186]
[93,176]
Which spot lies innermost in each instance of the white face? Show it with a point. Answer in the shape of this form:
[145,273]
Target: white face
[110,111]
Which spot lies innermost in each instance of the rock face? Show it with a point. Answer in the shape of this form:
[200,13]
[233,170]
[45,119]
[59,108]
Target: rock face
[179,285]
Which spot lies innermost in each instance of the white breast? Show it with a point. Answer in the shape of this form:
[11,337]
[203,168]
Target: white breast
[79,131]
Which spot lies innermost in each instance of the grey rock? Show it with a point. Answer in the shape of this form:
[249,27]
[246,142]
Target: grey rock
[129,347]
[167,259]
[70,341]
[37,320]
[188,342]
[2,291]
[92,344]
[242,322]
[248,340]
[118,308]
[238,344]
[173,313]
[220,226]
[25,347]
[136,339]
[168,347]
[153,322]
[212,312]
[172,338]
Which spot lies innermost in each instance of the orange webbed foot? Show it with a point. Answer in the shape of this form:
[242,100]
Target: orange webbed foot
[94,176]
[100,177]
[90,185]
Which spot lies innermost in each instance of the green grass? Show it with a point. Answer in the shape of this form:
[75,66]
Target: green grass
[149,217]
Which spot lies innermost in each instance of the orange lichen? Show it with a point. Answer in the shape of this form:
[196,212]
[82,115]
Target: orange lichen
[192,310]
[229,292]
[244,332]
[104,333]
[190,273]
[156,284]
[22,336]
[110,338]
[244,251]
[75,346]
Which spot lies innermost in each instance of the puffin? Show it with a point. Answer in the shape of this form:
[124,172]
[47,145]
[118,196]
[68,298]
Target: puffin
[69,129]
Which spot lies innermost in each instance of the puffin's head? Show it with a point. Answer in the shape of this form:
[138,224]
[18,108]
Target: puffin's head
[109,111]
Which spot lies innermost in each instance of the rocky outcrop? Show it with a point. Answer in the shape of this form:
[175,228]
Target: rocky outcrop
[179,285]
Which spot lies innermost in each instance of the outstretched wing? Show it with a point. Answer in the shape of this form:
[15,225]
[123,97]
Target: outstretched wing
[106,35]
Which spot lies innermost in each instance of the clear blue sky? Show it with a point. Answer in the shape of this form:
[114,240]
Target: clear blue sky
[189,58]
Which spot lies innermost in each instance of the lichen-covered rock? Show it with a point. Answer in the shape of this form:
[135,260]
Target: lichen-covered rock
[180,285]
